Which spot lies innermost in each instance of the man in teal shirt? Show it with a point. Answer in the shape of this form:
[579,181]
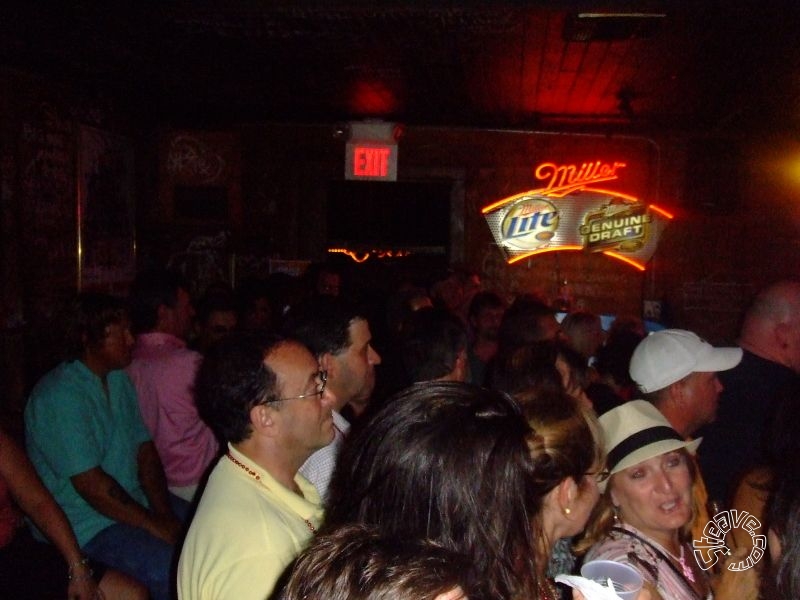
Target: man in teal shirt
[86,438]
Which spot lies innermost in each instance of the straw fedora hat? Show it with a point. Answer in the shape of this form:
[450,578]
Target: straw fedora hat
[637,431]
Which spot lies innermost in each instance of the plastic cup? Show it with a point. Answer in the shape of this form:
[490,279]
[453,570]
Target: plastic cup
[627,581]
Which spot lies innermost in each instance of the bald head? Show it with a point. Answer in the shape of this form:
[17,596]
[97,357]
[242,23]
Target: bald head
[771,327]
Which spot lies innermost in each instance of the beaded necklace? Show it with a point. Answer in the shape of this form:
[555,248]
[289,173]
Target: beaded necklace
[548,590]
[257,477]
[681,560]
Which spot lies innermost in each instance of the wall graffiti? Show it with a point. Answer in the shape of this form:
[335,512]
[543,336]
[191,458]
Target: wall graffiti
[191,158]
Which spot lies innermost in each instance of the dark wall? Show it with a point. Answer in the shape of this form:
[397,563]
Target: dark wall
[734,231]
[735,226]
[40,127]
[217,201]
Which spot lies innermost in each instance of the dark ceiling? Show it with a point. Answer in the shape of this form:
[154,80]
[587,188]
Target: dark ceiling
[633,65]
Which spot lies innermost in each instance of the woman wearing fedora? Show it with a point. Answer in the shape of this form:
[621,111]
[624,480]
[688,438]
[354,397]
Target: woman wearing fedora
[645,512]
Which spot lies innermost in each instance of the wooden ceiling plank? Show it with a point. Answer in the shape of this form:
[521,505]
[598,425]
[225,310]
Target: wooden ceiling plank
[469,62]
[581,95]
[615,74]
[591,58]
[536,37]
[551,63]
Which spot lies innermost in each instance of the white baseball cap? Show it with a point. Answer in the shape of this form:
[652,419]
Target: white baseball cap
[669,355]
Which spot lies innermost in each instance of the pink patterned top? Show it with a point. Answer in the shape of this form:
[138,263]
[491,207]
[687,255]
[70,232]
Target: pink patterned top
[628,545]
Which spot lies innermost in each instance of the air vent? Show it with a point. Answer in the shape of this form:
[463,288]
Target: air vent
[612,27]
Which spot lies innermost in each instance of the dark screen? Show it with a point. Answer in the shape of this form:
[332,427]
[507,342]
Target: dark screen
[201,202]
[382,214]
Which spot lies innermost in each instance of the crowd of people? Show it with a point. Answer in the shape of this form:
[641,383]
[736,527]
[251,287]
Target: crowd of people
[264,445]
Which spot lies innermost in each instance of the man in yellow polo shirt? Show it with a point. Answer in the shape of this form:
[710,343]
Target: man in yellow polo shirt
[266,397]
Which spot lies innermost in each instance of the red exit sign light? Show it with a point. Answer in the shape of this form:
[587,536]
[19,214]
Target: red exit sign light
[371,161]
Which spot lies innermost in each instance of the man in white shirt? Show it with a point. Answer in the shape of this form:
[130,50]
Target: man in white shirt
[338,334]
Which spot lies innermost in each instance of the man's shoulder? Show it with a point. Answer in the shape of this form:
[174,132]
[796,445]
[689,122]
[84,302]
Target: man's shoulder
[158,347]
[755,374]
[174,364]
[237,504]
[66,378]
[185,358]
[752,362]
[261,541]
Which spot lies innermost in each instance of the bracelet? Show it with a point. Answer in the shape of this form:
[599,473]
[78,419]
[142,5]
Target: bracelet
[85,577]
[83,562]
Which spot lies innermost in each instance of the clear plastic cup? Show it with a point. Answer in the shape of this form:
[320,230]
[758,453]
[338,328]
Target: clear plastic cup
[627,581]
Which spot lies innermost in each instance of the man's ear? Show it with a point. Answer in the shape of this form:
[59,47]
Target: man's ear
[162,315]
[327,362]
[460,370]
[675,393]
[782,335]
[263,419]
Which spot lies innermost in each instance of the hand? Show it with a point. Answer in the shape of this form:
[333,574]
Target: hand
[737,585]
[164,527]
[643,595]
[84,588]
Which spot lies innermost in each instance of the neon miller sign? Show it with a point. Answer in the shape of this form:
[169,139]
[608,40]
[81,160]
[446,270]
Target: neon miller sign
[565,178]
[571,213]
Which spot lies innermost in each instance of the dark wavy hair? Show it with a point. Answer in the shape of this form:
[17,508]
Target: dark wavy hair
[449,462]
[523,323]
[532,366]
[86,318]
[355,562]
[150,290]
[782,511]
[782,581]
[483,300]
[431,343]
[232,379]
[323,324]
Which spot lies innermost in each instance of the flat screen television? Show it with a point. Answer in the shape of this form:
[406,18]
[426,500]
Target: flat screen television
[389,215]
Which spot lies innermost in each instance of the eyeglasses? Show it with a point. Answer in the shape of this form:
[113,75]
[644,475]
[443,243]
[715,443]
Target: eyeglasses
[600,476]
[322,378]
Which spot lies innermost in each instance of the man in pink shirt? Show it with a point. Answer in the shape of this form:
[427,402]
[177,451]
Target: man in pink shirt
[163,372]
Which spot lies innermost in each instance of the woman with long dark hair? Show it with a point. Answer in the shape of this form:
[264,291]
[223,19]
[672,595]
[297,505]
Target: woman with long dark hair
[462,466]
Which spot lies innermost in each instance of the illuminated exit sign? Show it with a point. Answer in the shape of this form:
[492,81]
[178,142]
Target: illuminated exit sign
[368,160]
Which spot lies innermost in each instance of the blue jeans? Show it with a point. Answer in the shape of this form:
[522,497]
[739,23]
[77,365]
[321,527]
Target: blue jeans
[135,552]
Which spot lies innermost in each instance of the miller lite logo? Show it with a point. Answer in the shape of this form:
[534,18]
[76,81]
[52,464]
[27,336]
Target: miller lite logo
[531,222]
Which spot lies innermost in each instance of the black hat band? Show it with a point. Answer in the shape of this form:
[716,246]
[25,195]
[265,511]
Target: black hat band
[640,439]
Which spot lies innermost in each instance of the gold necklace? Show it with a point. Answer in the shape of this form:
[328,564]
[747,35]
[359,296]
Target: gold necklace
[257,477]
[548,590]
